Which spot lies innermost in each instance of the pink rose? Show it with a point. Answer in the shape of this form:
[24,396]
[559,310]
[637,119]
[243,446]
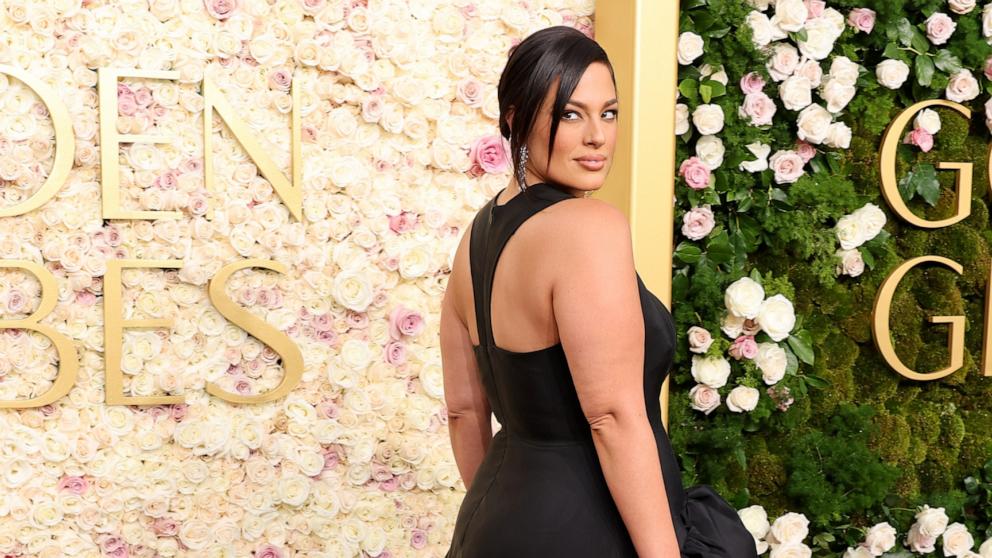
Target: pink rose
[74,484]
[280,79]
[744,347]
[179,411]
[704,398]
[697,222]
[126,105]
[403,321]
[695,172]
[815,8]
[469,91]
[16,301]
[940,26]
[269,551]
[988,68]
[394,352]
[490,153]
[418,538]
[699,339]
[759,108]
[405,221]
[862,19]
[165,527]
[143,96]
[221,9]
[752,82]
[805,150]
[788,166]
[920,138]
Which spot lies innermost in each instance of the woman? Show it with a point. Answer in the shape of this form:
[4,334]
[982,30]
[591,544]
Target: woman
[564,343]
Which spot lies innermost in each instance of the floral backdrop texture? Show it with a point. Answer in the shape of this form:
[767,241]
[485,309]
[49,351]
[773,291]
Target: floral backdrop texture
[398,109]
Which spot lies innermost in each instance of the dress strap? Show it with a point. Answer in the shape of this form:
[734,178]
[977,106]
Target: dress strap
[492,228]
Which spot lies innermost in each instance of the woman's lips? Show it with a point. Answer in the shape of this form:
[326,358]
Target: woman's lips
[592,164]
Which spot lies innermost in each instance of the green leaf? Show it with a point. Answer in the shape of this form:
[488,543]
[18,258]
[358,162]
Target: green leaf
[924,70]
[802,345]
[905,29]
[688,252]
[741,457]
[947,61]
[868,258]
[718,249]
[717,89]
[706,92]
[892,51]
[690,4]
[798,36]
[919,41]
[925,183]
[689,89]
[907,189]
[816,381]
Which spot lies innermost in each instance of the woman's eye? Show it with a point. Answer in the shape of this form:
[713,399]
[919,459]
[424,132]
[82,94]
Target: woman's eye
[567,112]
[614,111]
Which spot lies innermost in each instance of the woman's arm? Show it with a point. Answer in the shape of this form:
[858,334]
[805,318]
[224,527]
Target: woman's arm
[598,311]
[469,413]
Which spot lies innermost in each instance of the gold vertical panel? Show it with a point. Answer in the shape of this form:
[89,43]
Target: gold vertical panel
[641,39]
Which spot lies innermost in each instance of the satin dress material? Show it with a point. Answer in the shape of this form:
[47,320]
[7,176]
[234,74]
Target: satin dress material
[540,490]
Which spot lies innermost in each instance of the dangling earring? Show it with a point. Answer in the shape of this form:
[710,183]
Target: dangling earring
[521,170]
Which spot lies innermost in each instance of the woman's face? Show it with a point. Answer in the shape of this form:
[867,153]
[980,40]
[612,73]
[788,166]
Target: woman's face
[586,130]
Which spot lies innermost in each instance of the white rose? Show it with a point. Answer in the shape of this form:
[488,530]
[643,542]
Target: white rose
[851,262]
[776,317]
[811,70]
[772,360]
[783,61]
[708,119]
[755,520]
[880,539]
[796,92]
[788,529]
[940,27]
[791,550]
[759,150]
[711,371]
[962,87]
[821,33]
[744,297]
[742,398]
[844,70]
[681,119]
[987,20]
[927,119]
[718,74]
[790,15]
[813,123]
[918,541]
[957,540]
[837,94]
[892,73]
[704,398]
[961,6]
[690,47]
[732,325]
[986,549]
[872,219]
[850,232]
[932,521]
[762,31]
[858,552]
[710,151]
[838,136]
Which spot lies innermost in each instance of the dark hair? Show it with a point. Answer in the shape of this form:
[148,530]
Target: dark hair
[553,52]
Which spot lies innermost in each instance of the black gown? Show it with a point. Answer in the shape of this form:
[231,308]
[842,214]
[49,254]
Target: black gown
[540,490]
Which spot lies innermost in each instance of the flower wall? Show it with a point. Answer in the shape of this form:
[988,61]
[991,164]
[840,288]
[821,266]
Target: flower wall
[398,110]
[780,398]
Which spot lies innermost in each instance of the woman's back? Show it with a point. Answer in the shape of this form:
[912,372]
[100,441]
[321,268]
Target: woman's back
[540,489]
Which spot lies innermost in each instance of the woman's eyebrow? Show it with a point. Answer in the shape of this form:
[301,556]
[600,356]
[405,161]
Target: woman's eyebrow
[583,105]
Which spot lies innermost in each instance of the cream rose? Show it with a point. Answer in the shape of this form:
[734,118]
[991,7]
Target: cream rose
[790,15]
[814,124]
[927,119]
[762,30]
[699,339]
[795,92]
[892,73]
[783,61]
[743,297]
[788,166]
[690,47]
[838,136]
[710,151]
[957,540]
[708,119]
[742,399]
[773,361]
[962,87]
[681,119]
[790,528]
[961,6]
[704,398]
[776,317]
[711,371]
[850,262]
